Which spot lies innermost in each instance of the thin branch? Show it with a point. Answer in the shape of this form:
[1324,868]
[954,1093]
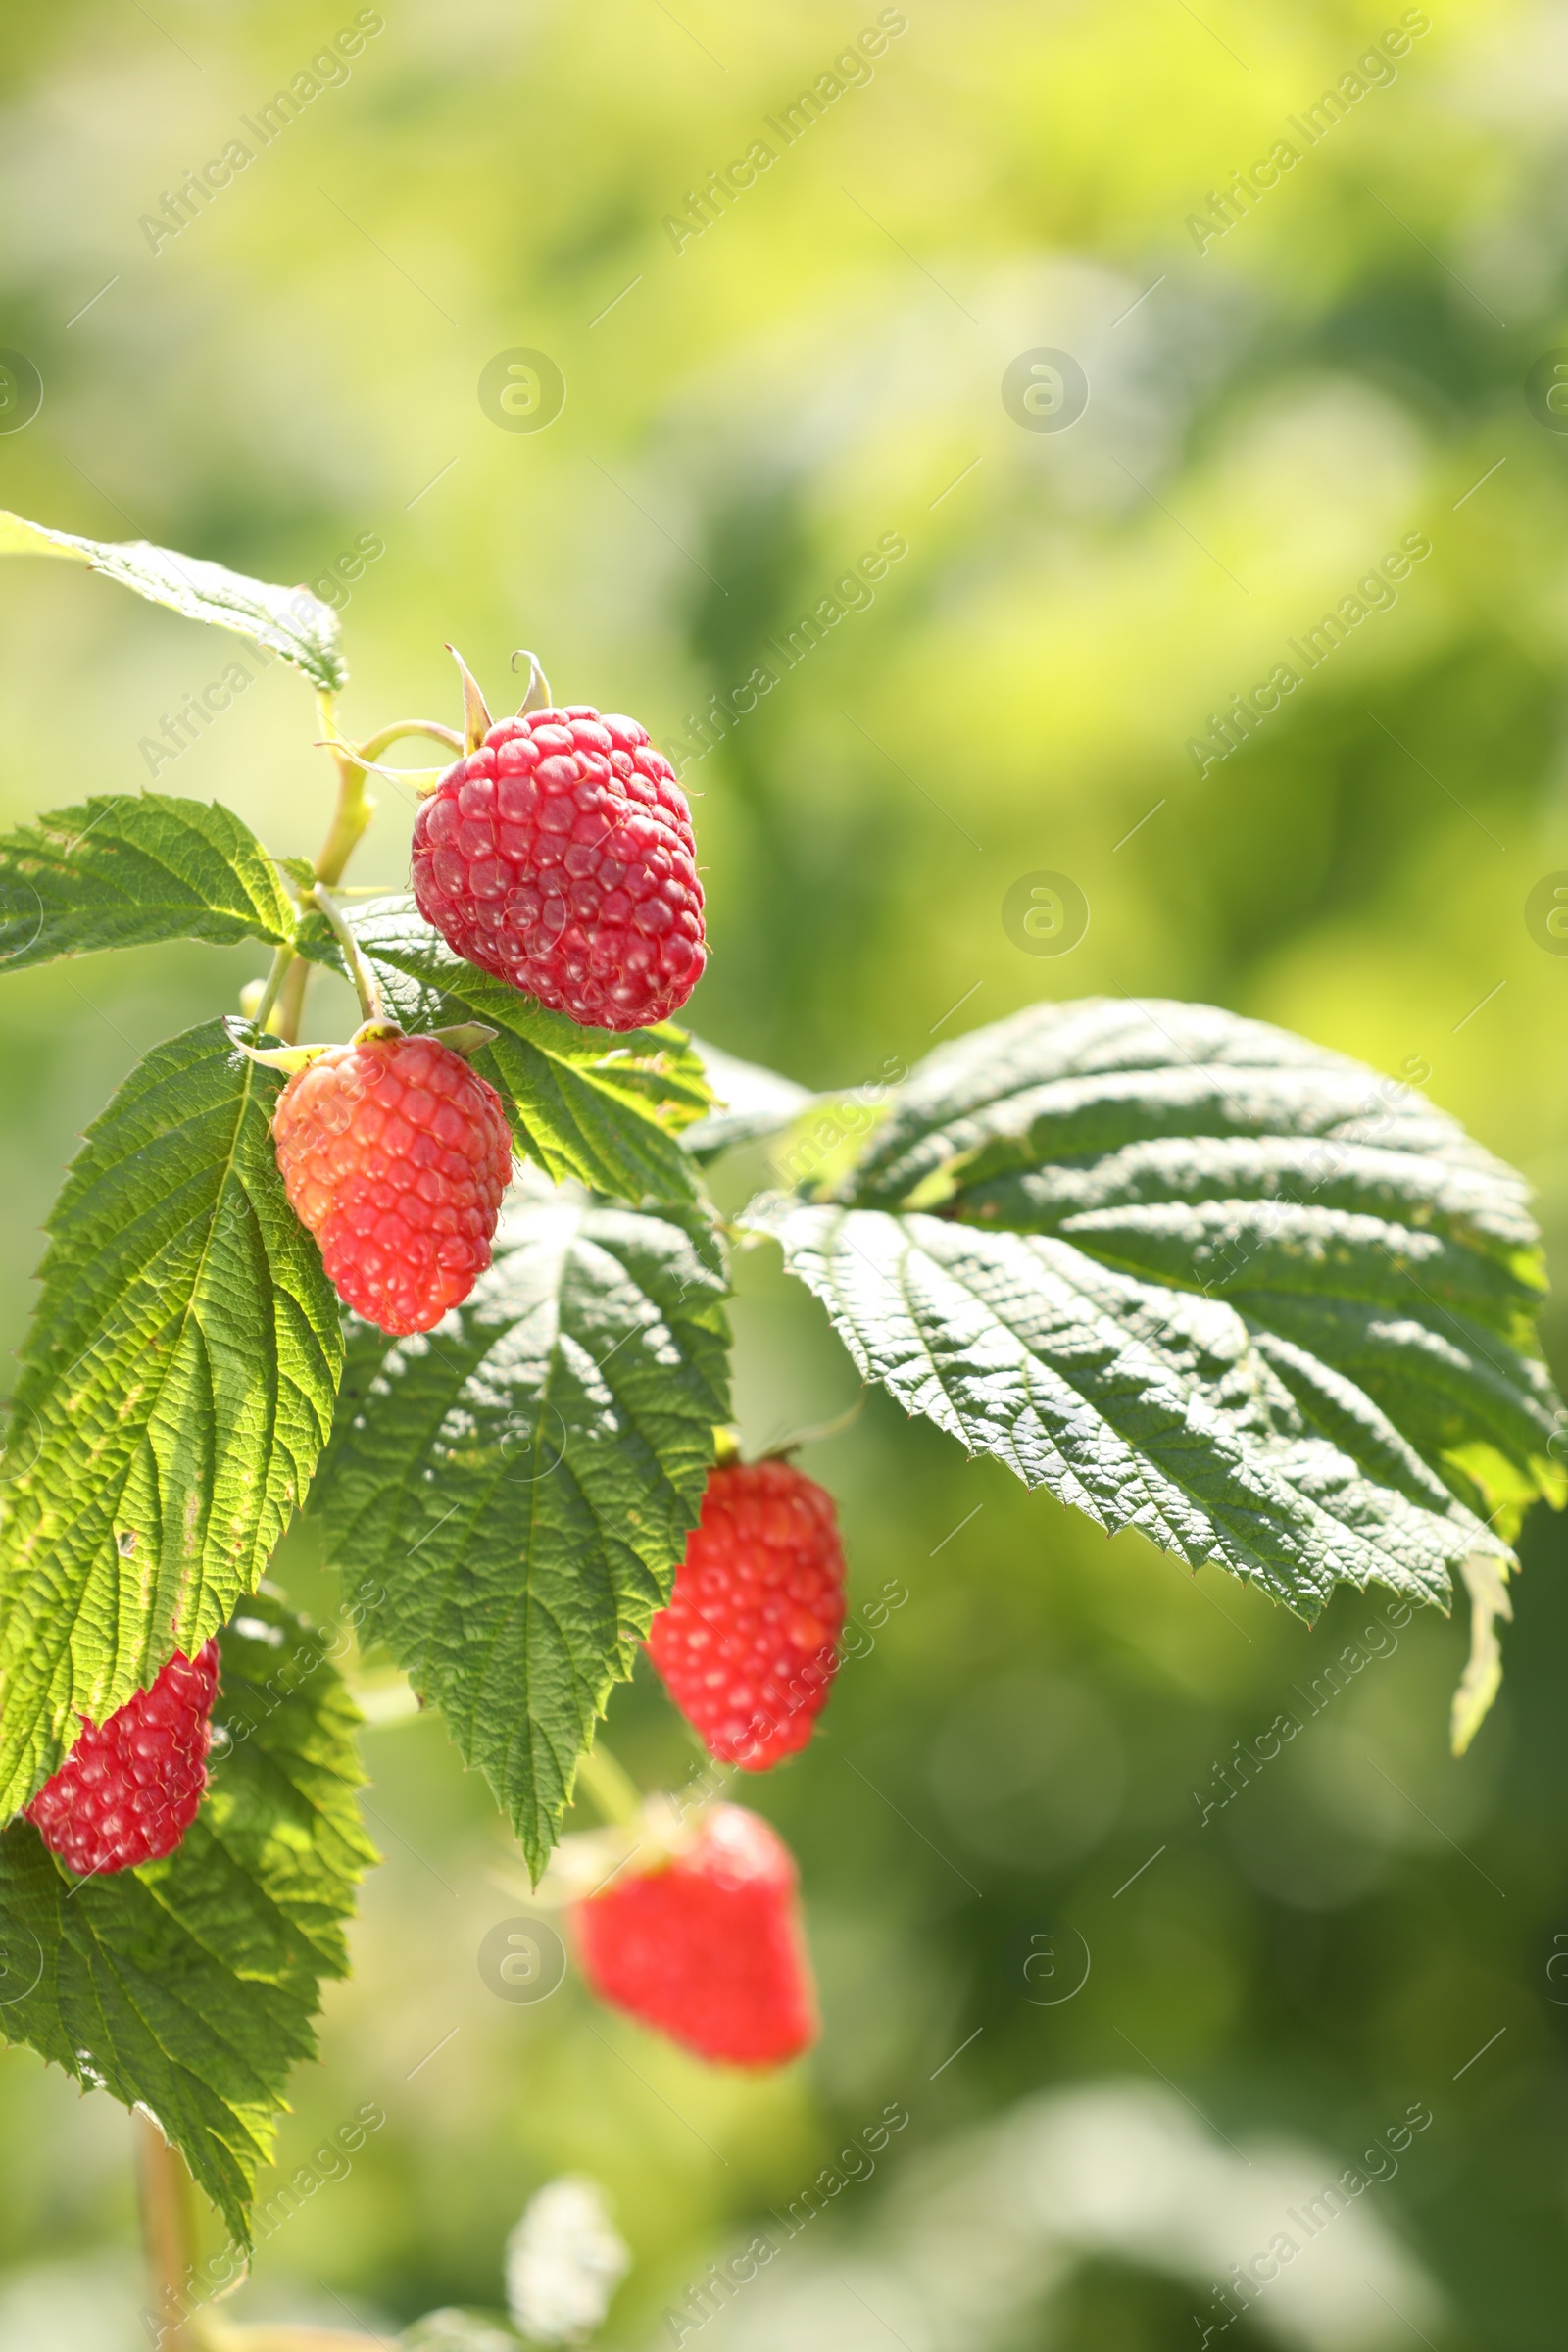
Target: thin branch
[367,987]
[163,2188]
[610,1786]
[274,982]
[375,744]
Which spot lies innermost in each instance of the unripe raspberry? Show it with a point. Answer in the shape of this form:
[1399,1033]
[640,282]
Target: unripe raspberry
[747,1645]
[394,1154]
[129,1788]
[706,1947]
[560,856]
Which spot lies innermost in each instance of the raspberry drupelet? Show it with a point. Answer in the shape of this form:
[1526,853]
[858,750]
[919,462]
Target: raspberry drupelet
[394,1154]
[559,855]
[129,1788]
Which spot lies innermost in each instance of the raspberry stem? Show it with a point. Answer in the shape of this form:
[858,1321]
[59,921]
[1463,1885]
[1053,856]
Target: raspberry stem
[353,813]
[610,1786]
[355,807]
[276,974]
[366,984]
[163,2186]
[374,745]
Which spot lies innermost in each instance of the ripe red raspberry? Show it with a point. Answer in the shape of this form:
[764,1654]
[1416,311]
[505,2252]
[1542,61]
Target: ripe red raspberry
[560,856]
[394,1154]
[130,1789]
[747,1643]
[706,1947]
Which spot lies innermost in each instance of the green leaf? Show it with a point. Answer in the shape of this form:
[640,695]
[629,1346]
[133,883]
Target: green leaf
[188,1987]
[1142,1406]
[589,1104]
[1199,1275]
[290,623]
[177,1387]
[511,1494]
[1061,1088]
[124,869]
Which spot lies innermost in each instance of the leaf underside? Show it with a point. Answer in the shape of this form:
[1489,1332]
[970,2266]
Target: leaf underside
[602,1107]
[124,870]
[177,1387]
[290,623]
[749,1102]
[188,1987]
[1197,1276]
[511,1494]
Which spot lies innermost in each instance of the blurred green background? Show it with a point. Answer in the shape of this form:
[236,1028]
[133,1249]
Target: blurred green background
[747,411]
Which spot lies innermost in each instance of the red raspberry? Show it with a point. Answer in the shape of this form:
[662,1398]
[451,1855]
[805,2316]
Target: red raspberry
[747,1643]
[130,1789]
[707,1946]
[394,1154]
[560,856]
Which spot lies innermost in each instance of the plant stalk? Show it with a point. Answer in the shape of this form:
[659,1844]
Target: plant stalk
[354,811]
[276,978]
[366,984]
[291,1002]
[614,1791]
[355,806]
[383,741]
[221,2338]
[164,2189]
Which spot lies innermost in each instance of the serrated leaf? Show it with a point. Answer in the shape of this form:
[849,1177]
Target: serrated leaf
[1141,1405]
[1356,1227]
[510,1493]
[188,1987]
[124,870]
[591,1104]
[1062,1089]
[177,1387]
[1237,1291]
[290,623]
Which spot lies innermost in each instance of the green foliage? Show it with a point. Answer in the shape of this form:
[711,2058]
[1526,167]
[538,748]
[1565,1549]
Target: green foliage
[122,871]
[600,1105]
[176,1388]
[1197,1276]
[510,1496]
[188,1987]
[1287,403]
[290,623]
[1191,1274]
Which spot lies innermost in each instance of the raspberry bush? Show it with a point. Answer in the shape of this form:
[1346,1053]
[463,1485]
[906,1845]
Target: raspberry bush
[1185,1271]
